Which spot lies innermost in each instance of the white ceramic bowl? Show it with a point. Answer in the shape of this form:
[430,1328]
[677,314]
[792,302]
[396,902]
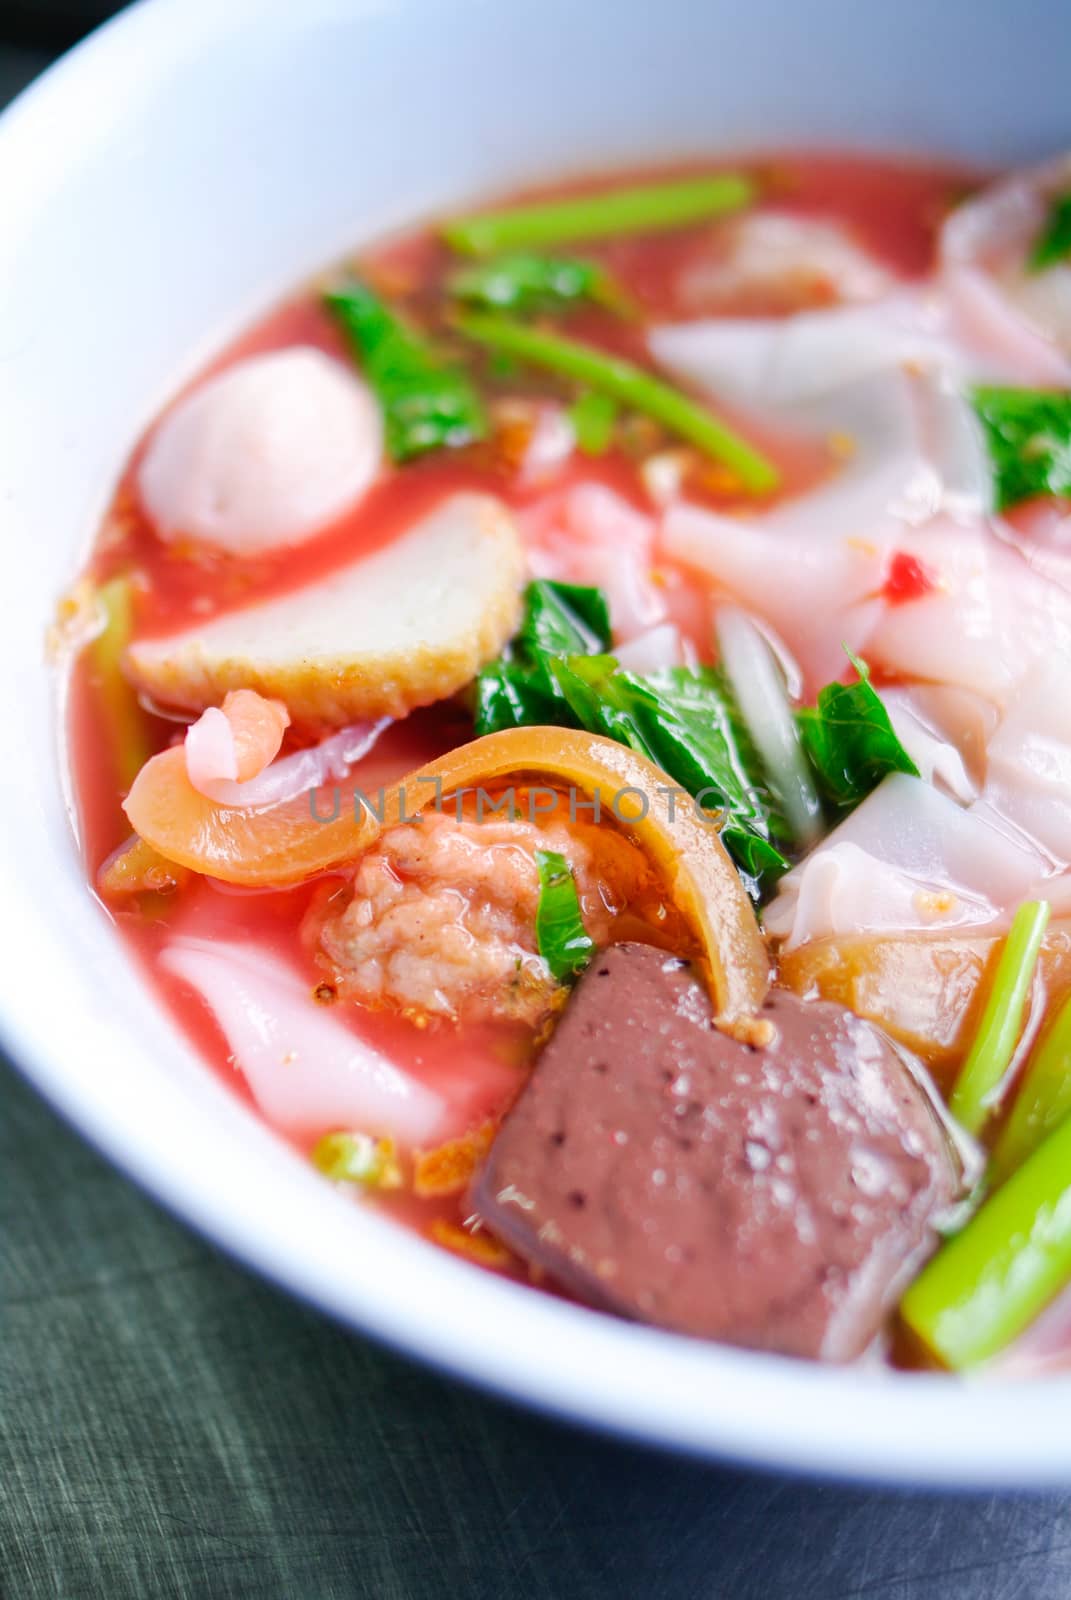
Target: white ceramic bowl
[159,188]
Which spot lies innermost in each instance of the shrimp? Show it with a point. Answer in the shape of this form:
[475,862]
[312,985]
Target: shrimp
[181,806]
[235,742]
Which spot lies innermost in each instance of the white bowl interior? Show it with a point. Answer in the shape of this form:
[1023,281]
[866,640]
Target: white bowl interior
[161,187]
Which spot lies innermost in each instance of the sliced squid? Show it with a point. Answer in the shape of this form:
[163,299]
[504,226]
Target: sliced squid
[233,743]
[289,777]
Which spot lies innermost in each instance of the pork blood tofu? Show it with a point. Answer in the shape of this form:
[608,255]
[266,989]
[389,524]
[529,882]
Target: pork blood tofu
[774,1196]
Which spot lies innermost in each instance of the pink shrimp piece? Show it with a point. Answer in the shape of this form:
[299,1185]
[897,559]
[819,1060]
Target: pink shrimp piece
[237,741]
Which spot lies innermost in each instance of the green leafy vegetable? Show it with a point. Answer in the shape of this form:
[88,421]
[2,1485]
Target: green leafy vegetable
[518,690]
[682,720]
[1028,433]
[849,740]
[564,619]
[557,673]
[1042,1100]
[427,403]
[529,284]
[630,386]
[563,942]
[1053,243]
[547,224]
[994,1044]
[593,416]
[509,695]
[1011,1259]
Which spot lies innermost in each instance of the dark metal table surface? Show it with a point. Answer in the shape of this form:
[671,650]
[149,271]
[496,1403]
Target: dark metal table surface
[170,1427]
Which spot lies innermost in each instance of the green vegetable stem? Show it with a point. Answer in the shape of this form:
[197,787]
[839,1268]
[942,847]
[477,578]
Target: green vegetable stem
[593,416]
[994,1044]
[128,730]
[1042,1100]
[630,386]
[992,1279]
[644,209]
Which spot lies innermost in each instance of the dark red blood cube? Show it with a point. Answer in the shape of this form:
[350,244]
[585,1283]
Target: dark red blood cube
[776,1197]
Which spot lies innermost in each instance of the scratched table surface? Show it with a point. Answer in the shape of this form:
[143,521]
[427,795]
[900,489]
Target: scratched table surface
[170,1427]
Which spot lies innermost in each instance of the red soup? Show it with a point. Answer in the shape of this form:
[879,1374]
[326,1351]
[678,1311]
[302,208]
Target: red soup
[569,714]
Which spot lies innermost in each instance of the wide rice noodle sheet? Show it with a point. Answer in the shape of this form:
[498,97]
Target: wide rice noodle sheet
[769,256]
[888,377]
[996,303]
[762,362]
[1028,776]
[938,760]
[907,858]
[874,383]
[1040,530]
[987,619]
[829,547]
[308,1072]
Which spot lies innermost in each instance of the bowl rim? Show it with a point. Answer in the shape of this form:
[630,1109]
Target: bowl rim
[564,1360]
